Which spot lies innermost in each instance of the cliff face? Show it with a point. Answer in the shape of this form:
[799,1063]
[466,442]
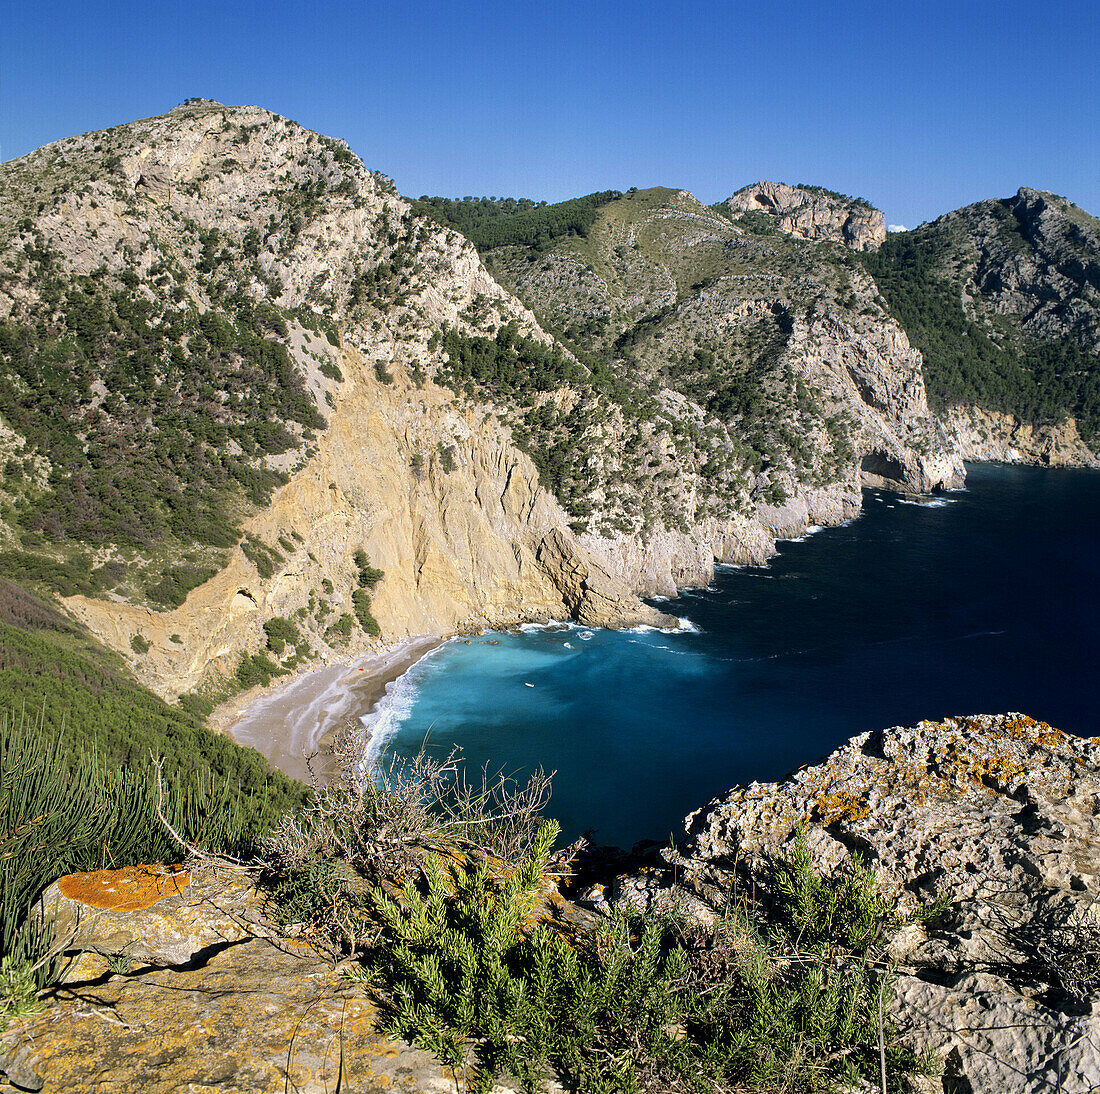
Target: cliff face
[986,436]
[996,814]
[232,350]
[480,544]
[813,214]
[1034,256]
[203,214]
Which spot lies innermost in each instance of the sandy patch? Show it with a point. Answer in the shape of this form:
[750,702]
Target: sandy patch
[293,721]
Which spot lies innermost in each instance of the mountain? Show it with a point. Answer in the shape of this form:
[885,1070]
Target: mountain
[257,409]
[1003,300]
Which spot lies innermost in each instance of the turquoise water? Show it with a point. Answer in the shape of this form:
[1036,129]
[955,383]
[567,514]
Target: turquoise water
[983,601]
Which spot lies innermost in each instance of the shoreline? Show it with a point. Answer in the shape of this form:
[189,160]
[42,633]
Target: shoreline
[296,720]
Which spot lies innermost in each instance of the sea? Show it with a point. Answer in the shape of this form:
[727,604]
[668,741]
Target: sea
[982,600]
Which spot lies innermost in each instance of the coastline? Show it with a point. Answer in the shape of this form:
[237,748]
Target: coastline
[299,718]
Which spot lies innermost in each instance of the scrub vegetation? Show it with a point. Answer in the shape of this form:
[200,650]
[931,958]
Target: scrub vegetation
[442,890]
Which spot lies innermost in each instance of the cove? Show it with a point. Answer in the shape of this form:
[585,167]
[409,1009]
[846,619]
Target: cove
[982,601]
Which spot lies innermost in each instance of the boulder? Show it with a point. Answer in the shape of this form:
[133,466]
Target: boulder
[160,915]
[1000,814]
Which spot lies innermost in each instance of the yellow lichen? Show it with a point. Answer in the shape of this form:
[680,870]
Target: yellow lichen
[127,890]
[840,805]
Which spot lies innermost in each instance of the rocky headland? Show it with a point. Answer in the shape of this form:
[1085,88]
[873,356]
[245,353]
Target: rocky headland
[996,816]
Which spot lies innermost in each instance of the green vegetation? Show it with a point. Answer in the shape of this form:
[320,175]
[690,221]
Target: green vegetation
[257,669]
[791,992]
[519,371]
[502,222]
[361,602]
[82,696]
[64,808]
[821,191]
[279,633]
[967,364]
[152,456]
[265,558]
[369,576]
[176,582]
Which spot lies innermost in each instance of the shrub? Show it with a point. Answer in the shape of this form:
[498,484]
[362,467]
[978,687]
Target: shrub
[176,582]
[341,628]
[368,575]
[279,633]
[257,668]
[361,602]
[465,960]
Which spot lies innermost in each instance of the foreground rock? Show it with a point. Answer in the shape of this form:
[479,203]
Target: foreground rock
[182,913]
[1000,814]
[184,984]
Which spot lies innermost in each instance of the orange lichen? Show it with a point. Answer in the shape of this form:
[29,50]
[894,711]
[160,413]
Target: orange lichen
[127,890]
[1026,728]
[840,805]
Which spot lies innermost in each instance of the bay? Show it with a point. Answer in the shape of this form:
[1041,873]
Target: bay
[981,601]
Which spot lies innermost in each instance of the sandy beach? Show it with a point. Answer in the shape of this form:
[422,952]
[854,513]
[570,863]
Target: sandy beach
[292,721]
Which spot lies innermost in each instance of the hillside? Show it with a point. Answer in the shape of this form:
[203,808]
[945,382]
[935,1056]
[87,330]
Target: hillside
[1003,300]
[780,347]
[257,410]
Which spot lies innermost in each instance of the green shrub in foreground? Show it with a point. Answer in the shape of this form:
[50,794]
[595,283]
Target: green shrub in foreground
[641,1004]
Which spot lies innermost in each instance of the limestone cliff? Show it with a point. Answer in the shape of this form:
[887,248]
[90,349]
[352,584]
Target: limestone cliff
[996,814]
[813,213]
[1003,299]
[986,436]
[783,383]
[262,366]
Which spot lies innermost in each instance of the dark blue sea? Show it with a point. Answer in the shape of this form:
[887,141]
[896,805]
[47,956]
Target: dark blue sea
[981,601]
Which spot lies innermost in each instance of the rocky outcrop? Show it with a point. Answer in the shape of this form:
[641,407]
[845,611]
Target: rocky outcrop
[813,214]
[987,436]
[252,1016]
[179,980]
[999,814]
[158,915]
[1034,257]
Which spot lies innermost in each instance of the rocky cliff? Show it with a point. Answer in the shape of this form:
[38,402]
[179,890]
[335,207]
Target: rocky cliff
[773,358]
[986,436]
[995,815]
[260,391]
[1034,256]
[813,213]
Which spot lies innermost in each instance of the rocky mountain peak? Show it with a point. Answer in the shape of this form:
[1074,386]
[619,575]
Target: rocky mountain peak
[812,212]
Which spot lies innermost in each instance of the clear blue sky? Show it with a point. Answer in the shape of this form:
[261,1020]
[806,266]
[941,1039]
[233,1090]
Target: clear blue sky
[920,108]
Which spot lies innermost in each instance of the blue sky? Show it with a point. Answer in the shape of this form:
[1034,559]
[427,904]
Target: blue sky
[919,108]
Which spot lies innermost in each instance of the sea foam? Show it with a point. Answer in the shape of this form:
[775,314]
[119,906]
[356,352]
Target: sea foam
[378,725]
